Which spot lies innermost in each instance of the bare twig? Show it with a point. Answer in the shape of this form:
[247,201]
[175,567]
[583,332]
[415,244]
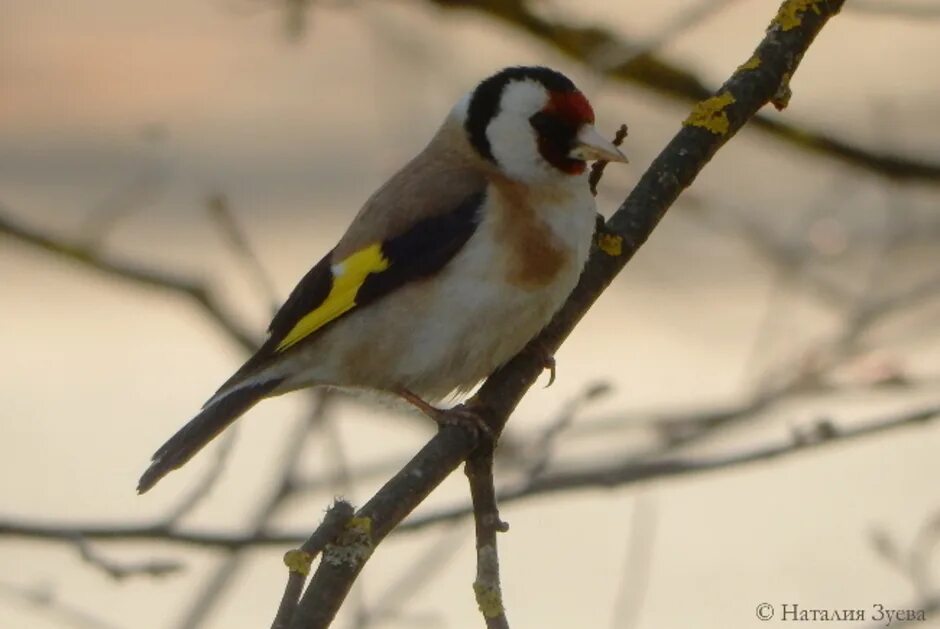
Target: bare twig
[684,19]
[597,168]
[487,523]
[94,259]
[612,474]
[706,130]
[201,490]
[542,445]
[921,555]
[421,571]
[120,571]
[914,562]
[711,124]
[294,445]
[638,563]
[234,235]
[617,474]
[601,49]
[116,532]
[584,43]
[299,561]
[143,190]
[42,599]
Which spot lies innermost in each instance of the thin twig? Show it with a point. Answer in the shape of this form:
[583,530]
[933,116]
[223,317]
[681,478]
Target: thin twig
[221,212]
[293,447]
[637,565]
[597,168]
[203,488]
[119,571]
[298,561]
[42,599]
[608,474]
[421,571]
[542,445]
[94,259]
[707,129]
[143,190]
[487,523]
[684,19]
[914,562]
[618,474]
[655,73]
[921,555]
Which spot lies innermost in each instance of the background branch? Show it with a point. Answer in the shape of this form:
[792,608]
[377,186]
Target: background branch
[94,258]
[610,474]
[836,302]
[594,46]
[487,523]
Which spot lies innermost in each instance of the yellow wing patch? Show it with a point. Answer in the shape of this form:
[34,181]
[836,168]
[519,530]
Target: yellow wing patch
[348,276]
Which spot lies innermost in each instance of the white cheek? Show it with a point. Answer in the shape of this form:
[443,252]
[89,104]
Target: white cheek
[515,147]
[513,141]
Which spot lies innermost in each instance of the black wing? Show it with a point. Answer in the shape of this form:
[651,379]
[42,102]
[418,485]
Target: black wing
[420,252]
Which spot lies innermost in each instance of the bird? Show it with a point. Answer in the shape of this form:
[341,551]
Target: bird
[446,272]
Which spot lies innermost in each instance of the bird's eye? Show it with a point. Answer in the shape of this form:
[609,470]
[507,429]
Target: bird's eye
[543,122]
[553,130]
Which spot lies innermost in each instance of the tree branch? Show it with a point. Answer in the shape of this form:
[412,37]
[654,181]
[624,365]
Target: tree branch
[620,473]
[610,474]
[291,456]
[298,561]
[710,125]
[91,257]
[593,45]
[486,586]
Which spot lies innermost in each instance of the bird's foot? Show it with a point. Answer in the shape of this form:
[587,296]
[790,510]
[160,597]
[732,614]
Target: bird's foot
[462,416]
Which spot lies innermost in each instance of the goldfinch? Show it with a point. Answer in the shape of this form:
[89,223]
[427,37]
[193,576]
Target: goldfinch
[446,272]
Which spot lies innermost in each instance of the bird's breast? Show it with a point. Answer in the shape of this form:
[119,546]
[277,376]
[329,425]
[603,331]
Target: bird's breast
[542,233]
[450,330]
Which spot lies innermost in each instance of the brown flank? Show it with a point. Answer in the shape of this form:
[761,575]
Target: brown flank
[536,256]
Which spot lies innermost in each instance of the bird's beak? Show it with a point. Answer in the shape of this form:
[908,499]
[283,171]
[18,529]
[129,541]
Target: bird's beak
[591,146]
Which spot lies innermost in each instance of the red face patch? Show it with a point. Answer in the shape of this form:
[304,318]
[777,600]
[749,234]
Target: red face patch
[557,126]
[572,106]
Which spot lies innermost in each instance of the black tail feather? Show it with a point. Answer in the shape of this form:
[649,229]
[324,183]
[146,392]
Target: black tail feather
[202,429]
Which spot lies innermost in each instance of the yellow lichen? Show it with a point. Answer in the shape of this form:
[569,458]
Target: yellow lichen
[791,13]
[610,244]
[359,526]
[298,561]
[354,544]
[489,600]
[710,114]
[751,64]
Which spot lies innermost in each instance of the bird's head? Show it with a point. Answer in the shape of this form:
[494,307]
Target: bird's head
[533,124]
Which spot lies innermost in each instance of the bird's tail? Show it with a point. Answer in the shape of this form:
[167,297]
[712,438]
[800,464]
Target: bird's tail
[203,428]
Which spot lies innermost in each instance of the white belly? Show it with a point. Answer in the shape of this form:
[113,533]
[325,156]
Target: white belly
[445,334]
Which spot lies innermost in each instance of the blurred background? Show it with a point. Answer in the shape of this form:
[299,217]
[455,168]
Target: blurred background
[169,170]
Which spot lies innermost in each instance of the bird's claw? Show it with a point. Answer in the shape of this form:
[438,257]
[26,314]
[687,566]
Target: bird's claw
[550,365]
[461,415]
[548,362]
[467,418]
